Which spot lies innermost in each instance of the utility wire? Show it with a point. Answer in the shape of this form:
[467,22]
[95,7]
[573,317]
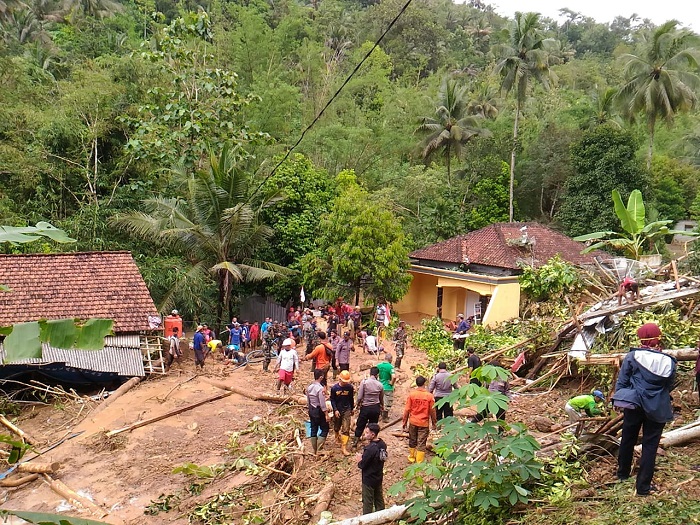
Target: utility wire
[335,95]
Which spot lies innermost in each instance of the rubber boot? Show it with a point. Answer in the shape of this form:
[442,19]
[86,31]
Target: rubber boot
[385,416]
[355,439]
[420,456]
[338,437]
[319,444]
[397,363]
[411,455]
[344,447]
[314,445]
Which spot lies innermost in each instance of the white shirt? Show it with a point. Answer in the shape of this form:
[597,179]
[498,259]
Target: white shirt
[371,343]
[288,360]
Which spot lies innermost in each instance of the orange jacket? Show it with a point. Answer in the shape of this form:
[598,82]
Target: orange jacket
[420,408]
[321,356]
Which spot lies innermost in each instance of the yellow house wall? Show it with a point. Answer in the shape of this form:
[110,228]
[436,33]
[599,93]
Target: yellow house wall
[453,302]
[504,304]
[421,296]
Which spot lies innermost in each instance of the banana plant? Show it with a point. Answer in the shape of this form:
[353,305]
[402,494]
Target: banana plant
[636,233]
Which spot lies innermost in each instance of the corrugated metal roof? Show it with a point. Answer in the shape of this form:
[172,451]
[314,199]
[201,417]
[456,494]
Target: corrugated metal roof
[122,360]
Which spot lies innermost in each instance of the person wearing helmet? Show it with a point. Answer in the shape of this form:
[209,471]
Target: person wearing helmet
[287,363]
[585,403]
[342,402]
[643,393]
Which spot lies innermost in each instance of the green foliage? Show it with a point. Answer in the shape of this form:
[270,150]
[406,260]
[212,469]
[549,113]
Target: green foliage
[502,475]
[23,234]
[199,471]
[552,280]
[361,248]
[47,518]
[562,471]
[636,232]
[604,160]
[24,340]
[18,448]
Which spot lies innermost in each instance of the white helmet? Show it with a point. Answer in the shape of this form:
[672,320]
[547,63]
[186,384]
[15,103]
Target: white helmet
[288,342]
[174,312]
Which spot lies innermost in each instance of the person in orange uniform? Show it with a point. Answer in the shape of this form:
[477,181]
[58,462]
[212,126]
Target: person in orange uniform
[322,355]
[418,415]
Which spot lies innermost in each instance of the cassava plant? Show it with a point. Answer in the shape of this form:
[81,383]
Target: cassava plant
[463,478]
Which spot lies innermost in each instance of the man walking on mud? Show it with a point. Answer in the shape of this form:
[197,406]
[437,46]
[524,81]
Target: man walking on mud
[343,401]
[316,400]
[370,402]
[198,344]
[417,416]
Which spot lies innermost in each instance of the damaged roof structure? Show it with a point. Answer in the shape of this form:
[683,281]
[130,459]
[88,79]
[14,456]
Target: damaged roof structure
[83,286]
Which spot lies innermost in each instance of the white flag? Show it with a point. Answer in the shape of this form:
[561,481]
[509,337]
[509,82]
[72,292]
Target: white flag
[302,295]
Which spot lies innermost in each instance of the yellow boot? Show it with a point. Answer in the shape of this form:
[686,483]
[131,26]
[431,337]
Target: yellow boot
[420,456]
[411,455]
[344,441]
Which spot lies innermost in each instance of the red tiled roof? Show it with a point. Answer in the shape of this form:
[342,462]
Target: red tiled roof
[490,246]
[83,285]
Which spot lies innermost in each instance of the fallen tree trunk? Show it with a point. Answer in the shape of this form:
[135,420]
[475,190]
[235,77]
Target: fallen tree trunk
[168,414]
[376,518]
[679,436]
[679,354]
[301,400]
[18,482]
[324,500]
[119,392]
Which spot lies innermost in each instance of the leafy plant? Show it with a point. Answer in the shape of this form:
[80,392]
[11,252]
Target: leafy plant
[498,472]
[199,471]
[19,448]
[552,280]
[636,232]
[47,518]
[164,503]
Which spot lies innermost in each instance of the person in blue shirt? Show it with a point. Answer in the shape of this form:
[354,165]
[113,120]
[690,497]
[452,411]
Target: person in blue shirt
[245,334]
[265,326]
[460,334]
[235,337]
[198,344]
[643,392]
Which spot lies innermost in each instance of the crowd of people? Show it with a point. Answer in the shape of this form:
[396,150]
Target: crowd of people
[642,390]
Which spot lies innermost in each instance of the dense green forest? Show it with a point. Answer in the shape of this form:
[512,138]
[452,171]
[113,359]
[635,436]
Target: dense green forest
[164,129]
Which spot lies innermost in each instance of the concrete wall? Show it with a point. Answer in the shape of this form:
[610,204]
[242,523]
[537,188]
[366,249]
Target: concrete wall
[453,302]
[421,297]
[504,305]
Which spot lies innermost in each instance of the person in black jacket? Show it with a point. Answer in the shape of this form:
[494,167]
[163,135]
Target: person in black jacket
[371,462]
[643,391]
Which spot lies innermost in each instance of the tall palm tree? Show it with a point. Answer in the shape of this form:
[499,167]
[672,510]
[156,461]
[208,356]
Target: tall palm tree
[524,58]
[452,126]
[217,227]
[663,80]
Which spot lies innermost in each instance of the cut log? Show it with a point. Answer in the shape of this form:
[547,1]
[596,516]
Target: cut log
[679,354]
[322,503]
[73,497]
[119,392]
[394,513]
[18,482]
[17,431]
[167,414]
[679,436]
[39,468]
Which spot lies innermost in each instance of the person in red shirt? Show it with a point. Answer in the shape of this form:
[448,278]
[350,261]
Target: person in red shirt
[418,415]
[628,286]
[254,335]
[322,355]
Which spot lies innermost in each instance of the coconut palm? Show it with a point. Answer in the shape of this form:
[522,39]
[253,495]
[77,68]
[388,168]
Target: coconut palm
[217,227]
[523,59]
[452,126]
[663,80]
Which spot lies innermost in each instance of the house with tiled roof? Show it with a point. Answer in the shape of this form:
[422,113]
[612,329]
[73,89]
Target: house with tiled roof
[106,285]
[477,273]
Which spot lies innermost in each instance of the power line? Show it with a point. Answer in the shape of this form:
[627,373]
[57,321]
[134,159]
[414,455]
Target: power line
[335,95]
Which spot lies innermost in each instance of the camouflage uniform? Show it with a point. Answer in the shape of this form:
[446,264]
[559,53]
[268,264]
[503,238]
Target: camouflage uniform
[400,337]
[268,341]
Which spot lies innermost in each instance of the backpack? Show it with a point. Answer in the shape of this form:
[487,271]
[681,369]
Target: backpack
[329,350]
